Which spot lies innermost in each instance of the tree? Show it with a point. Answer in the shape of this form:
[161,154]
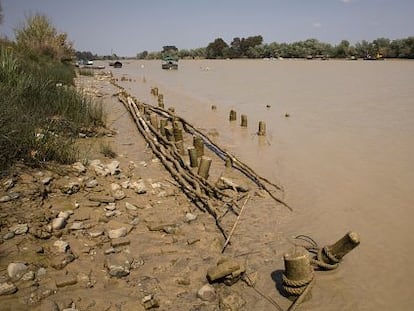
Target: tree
[215,49]
[342,49]
[39,36]
[142,55]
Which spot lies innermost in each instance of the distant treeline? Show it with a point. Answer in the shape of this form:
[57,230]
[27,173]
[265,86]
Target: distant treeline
[253,47]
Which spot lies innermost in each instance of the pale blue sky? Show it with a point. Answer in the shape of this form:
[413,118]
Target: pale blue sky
[127,27]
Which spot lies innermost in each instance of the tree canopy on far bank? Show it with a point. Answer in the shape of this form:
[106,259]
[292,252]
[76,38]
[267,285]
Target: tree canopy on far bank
[253,47]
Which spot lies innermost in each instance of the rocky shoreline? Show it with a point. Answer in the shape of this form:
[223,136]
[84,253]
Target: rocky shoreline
[110,235]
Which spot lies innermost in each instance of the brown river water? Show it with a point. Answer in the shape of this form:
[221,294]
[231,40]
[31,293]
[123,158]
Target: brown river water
[345,156]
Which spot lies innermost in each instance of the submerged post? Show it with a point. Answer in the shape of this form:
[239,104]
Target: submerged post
[204,167]
[154,120]
[169,133]
[262,128]
[243,120]
[178,134]
[161,100]
[233,115]
[163,124]
[180,146]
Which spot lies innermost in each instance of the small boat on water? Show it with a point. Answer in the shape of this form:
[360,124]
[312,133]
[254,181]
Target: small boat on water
[169,63]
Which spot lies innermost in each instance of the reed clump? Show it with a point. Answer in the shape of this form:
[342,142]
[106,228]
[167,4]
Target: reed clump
[41,113]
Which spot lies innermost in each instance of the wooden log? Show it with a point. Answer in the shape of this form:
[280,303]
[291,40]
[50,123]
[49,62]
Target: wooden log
[178,134]
[243,120]
[192,153]
[204,167]
[262,128]
[180,146]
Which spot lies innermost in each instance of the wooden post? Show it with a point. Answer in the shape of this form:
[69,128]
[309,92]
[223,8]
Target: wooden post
[171,109]
[178,134]
[233,115]
[213,107]
[229,162]
[262,128]
[163,124]
[243,120]
[154,120]
[155,93]
[180,146]
[204,167]
[342,247]
[192,153]
[198,145]
[161,100]
[169,133]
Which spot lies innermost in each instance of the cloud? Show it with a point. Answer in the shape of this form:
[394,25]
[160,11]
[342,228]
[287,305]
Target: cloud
[347,1]
[317,25]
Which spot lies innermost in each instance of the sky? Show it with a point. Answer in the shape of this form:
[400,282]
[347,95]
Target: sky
[128,27]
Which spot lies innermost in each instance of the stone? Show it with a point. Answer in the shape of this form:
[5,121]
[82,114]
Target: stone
[150,302]
[8,184]
[117,233]
[113,168]
[79,167]
[91,183]
[15,270]
[41,232]
[117,266]
[130,206]
[119,195]
[46,180]
[189,217]
[9,235]
[207,293]
[101,198]
[70,188]
[28,276]
[5,199]
[61,261]
[222,269]
[120,242]
[110,213]
[66,280]
[139,187]
[125,184]
[41,272]
[7,288]
[231,302]
[64,214]
[110,207]
[20,229]
[96,233]
[58,223]
[61,246]
[115,187]
[77,225]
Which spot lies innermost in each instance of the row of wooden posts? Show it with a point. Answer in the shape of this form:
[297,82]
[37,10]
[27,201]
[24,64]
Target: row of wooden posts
[174,134]
[233,117]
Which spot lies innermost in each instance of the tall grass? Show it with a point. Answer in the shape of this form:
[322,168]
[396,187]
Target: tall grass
[40,112]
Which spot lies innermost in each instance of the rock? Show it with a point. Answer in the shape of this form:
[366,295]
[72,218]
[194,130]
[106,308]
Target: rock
[125,184]
[120,242]
[84,279]
[99,169]
[70,188]
[77,225]
[64,214]
[61,261]
[183,281]
[40,232]
[9,235]
[14,195]
[8,184]
[189,217]
[101,198]
[130,206]
[61,246]
[117,266]
[222,269]
[7,288]
[207,293]
[115,187]
[231,302]
[46,180]
[79,167]
[91,183]
[139,187]
[5,199]
[15,270]
[117,233]
[28,276]
[58,223]
[119,195]
[150,302]
[96,233]
[19,229]
[110,207]
[41,272]
[113,168]
[110,213]
[66,280]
